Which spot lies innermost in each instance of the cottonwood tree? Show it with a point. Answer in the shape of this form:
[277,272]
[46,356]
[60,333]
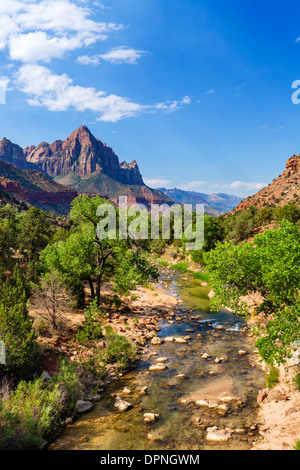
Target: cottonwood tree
[269,266]
[87,256]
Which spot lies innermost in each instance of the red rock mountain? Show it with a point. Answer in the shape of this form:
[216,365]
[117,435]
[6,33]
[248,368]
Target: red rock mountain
[86,165]
[83,154]
[283,190]
[34,188]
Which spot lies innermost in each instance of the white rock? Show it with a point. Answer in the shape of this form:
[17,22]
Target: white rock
[216,435]
[180,340]
[122,405]
[156,341]
[150,417]
[158,367]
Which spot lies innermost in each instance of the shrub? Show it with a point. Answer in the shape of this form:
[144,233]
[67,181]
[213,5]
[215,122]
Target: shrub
[91,330]
[118,349]
[272,378]
[27,415]
[31,413]
[67,382]
[296,381]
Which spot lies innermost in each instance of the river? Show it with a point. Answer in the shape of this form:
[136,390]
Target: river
[172,394]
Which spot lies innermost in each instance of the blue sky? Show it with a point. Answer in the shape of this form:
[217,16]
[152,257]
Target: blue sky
[197,91]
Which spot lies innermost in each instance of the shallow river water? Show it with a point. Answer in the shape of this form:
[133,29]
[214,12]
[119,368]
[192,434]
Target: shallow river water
[182,424]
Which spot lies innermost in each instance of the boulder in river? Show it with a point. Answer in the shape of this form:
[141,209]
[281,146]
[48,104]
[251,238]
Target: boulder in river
[217,435]
[158,367]
[122,405]
[84,406]
[156,341]
[150,417]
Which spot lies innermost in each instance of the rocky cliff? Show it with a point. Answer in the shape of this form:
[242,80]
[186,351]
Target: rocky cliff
[85,164]
[35,188]
[283,190]
[83,154]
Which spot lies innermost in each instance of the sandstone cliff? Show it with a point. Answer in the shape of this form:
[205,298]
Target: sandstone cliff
[83,154]
[35,188]
[283,190]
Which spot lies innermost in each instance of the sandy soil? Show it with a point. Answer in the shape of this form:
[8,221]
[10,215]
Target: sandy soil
[279,415]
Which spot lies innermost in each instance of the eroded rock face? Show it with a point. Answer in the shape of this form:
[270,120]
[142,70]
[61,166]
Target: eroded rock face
[13,154]
[83,154]
[283,190]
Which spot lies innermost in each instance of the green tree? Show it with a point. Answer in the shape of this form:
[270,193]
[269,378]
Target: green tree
[86,256]
[16,328]
[270,266]
[35,233]
[9,226]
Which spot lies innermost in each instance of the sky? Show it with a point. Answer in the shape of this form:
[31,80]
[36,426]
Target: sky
[198,92]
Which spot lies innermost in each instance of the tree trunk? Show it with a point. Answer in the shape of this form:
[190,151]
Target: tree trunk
[92,289]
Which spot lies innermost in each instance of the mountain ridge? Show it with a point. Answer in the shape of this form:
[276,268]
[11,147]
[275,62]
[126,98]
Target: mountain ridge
[281,191]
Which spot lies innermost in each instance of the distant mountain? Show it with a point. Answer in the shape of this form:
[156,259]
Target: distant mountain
[34,188]
[214,204]
[83,163]
[283,190]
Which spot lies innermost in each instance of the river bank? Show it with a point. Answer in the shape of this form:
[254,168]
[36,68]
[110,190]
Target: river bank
[209,377]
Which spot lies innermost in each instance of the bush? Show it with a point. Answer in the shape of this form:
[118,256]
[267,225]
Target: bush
[118,349]
[31,413]
[272,378]
[91,330]
[27,415]
[296,381]
[67,382]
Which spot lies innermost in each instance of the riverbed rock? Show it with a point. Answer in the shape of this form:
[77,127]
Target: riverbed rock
[122,405]
[157,341]
[181,376]
[180,340]
[161,359]
[169,339]
[84,406]
[150,417]
[242,352]
[158,367]
[205,356]
[217,435]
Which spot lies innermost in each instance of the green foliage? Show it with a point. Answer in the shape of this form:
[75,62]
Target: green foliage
[118,349]
[67,382]
[272,377]
[270,266]
[30,413]
[91,330]
[84,256]
[9,226]
[35,233]
[296,381]
[27,415]
[16,328]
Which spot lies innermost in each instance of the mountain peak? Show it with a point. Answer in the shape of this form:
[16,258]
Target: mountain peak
[80,153]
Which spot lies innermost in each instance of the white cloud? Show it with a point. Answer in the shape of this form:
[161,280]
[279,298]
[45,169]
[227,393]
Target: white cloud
[235,185]
[210,92]
[173,105]
[157,182]
[123,54]
[118,55]
[192,186]
[35,31]
[245,185]
[58,93]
